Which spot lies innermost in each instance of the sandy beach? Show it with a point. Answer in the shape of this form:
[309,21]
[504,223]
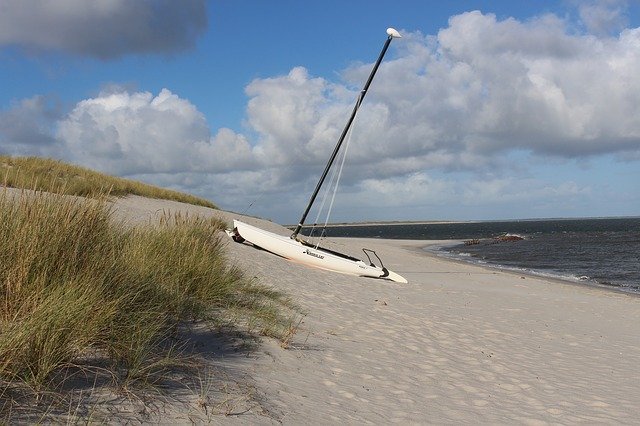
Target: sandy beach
[458,344]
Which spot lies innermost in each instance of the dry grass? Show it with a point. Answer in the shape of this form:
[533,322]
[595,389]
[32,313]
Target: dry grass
[53,176]
[79,292]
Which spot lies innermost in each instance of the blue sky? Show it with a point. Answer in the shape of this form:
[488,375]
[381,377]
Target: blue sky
[483,110]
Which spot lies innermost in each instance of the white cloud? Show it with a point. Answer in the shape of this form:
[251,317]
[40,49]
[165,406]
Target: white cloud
[482,87]
[531,85]
[295,116]
[602,17]
[421,189]
[455,101]
[102,28]
[138,133]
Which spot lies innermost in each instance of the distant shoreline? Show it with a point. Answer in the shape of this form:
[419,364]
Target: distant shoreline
[381,223]
[446,222]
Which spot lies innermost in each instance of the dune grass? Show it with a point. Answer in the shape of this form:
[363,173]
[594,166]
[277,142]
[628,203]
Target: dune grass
[76,286]
[54,176]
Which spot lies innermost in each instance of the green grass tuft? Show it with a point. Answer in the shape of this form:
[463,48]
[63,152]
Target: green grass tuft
[42,174]
[75,285]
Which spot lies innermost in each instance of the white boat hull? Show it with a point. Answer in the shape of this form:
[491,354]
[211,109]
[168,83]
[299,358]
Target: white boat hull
[310,255]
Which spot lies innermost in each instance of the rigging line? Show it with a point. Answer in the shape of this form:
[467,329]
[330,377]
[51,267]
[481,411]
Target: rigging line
[334,181]
[252,203]
[326,194]
[327,190]
[322,203]
[344,157]
[286,164]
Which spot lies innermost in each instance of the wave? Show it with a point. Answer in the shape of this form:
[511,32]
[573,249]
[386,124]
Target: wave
[442,251]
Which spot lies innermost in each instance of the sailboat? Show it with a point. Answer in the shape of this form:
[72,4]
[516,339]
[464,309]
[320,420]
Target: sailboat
[297,249]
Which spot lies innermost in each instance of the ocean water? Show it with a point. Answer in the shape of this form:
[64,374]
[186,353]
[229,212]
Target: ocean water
[604,252]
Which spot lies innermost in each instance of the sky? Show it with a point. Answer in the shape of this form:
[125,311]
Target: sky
[483,110]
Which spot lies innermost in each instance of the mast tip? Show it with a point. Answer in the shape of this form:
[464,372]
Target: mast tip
[393,33]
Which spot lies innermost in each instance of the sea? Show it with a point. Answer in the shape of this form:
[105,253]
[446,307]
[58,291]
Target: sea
[601,251]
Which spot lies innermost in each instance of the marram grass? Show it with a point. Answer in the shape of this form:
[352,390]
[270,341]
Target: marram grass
[73,283]
[42,174]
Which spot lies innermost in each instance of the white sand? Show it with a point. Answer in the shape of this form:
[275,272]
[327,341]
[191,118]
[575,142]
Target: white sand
[458,344]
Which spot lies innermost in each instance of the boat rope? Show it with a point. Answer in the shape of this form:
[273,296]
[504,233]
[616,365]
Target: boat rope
[335,189]
[334,181]
[255,200]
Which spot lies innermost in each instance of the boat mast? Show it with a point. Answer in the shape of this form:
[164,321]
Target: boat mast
[391,35]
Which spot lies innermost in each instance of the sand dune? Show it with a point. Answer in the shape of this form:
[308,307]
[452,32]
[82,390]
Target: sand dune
[458,344]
